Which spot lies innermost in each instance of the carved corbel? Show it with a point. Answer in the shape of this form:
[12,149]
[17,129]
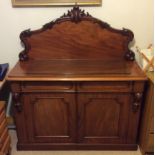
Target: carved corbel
[23,56]
[130,55]
[17,103]
[137,102]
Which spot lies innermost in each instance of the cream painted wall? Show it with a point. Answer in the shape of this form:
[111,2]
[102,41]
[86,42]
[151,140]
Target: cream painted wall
[136,15]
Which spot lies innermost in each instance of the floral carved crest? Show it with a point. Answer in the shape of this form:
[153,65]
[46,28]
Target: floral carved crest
[76,14]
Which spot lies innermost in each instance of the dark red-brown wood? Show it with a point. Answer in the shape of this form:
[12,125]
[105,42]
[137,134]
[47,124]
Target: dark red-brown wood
[103,117]
[59,111]
[76,35]
[73,87]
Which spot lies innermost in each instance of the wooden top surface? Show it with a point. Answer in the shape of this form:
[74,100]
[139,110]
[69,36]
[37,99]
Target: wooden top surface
[76,70]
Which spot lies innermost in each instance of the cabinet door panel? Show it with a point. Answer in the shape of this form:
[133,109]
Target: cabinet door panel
[103,118]
[50,117]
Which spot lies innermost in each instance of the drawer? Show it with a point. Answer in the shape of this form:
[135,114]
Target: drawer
[150,143]
[105,86]
[47,86]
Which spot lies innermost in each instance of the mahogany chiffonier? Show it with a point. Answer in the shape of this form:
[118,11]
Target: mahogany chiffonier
[77,86]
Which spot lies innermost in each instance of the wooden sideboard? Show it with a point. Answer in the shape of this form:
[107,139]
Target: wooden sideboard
[147,125]
[77,86]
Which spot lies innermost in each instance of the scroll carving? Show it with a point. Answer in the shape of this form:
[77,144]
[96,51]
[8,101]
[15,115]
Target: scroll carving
[129,55]
[17,103]
[137,101]
[23,56]
[75,15]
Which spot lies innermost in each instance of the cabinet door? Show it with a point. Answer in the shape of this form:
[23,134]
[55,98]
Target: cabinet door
[103,117]
[50,117]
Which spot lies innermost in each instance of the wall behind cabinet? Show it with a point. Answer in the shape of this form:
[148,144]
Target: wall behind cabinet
[136,15]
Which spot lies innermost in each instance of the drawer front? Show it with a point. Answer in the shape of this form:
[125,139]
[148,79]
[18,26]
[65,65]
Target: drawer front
[47,86]
[105,87]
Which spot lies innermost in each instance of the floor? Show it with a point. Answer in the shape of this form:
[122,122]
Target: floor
[15,152]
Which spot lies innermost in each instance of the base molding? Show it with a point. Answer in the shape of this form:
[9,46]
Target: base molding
[74,146]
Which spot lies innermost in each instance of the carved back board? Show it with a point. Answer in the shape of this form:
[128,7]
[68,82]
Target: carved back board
[76,35]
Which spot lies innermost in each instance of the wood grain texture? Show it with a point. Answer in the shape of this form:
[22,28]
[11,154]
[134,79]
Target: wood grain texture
[103,118]
[76,35]
[78,119]
[58,110]
[74,88]
[78,41]
[88,70]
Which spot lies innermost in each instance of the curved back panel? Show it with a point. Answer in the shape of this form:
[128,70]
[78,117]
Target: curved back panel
[76,36]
